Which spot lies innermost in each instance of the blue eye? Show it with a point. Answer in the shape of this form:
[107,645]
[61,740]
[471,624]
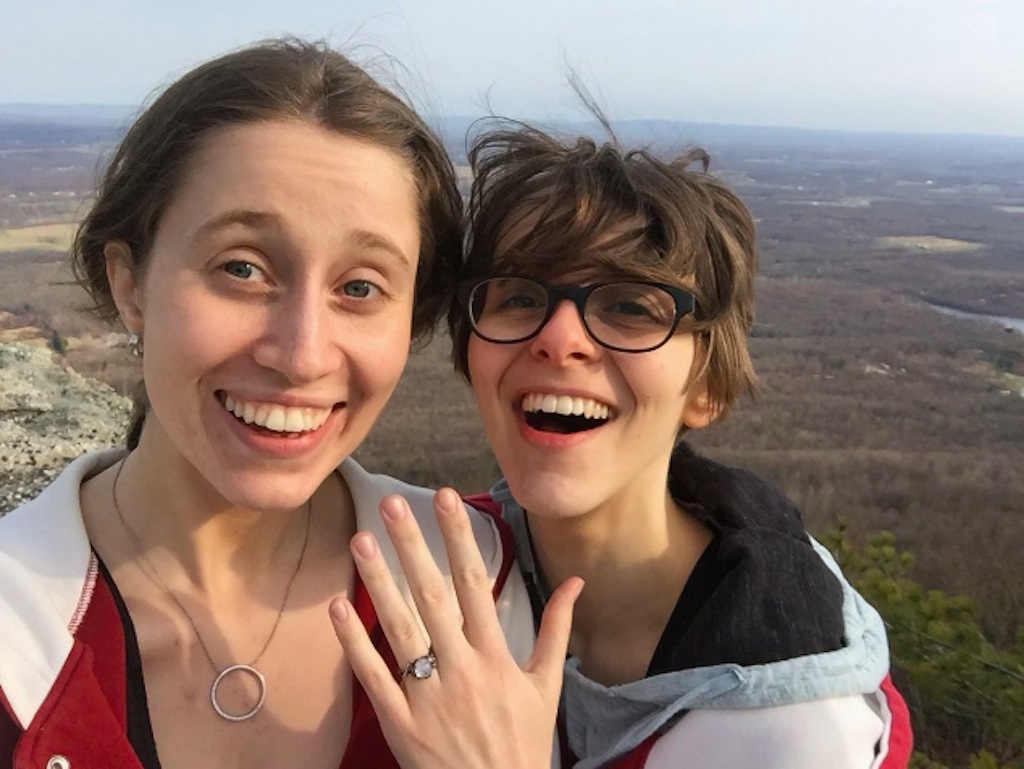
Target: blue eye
[242,270]
[360,289]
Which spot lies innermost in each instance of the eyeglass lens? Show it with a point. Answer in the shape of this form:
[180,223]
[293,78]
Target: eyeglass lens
[626,315]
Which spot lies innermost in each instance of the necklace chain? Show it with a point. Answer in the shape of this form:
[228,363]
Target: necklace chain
[154,576]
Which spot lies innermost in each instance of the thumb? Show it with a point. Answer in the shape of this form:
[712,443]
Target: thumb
[549,651]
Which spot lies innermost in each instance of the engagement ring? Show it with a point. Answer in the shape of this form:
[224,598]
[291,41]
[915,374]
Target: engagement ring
[421,667]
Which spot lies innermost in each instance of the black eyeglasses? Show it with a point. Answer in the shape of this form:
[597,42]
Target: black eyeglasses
[627,316]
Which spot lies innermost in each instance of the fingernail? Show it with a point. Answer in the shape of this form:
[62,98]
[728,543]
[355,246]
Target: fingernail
[448,500]
[393,509]
[364,545]
[577,588]
[339,610]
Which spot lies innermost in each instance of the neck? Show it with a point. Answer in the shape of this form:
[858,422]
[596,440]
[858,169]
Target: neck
[195,538]
[635,560]
[205,535]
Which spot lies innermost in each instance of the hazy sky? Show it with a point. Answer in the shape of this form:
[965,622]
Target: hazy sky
[894,65]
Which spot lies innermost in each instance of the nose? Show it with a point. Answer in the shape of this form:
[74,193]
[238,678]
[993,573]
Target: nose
[564,339]
[300,340]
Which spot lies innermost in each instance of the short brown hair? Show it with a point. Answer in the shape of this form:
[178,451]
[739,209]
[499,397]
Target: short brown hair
[625,213]
[284,79]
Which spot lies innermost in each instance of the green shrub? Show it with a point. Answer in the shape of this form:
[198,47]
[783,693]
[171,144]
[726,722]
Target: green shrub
[966,696]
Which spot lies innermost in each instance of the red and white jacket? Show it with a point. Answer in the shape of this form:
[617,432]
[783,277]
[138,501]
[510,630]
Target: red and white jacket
[62,650]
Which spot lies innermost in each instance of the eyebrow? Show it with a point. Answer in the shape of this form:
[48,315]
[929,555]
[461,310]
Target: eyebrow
[377,242]
[253,220]
[262,220]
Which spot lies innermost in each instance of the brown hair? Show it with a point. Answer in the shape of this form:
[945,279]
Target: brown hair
[580,206]
[285,79]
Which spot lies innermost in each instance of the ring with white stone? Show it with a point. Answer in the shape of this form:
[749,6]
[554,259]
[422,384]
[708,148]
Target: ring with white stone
[421,667]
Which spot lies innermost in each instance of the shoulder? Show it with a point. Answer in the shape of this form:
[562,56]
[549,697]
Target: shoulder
[57,505]
[48,588]
[44,548]
[840,733]
[492,536]
[730,497]
[761,593]
[757,596]
[765,571]
[367,490]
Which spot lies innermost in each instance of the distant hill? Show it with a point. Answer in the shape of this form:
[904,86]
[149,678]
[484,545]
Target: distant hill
[78,114]
[56,126]
[42,120]
[670,135]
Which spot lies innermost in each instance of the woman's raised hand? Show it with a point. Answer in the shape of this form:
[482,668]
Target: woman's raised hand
[475,707]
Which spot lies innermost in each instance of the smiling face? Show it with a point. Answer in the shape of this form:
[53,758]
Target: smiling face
[275,306]
[576,213]
[577,427]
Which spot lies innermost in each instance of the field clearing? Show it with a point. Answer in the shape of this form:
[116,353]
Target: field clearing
[41,237]
[928,243]
[846,202]
[23,335]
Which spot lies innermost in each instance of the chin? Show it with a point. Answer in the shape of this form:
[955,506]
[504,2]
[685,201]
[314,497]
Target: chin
[550,495]
[268,494]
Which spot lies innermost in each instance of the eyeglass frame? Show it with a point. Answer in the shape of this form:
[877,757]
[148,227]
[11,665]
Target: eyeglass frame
[578,295]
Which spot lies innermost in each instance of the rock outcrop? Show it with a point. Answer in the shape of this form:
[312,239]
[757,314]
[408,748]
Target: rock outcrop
[49,415]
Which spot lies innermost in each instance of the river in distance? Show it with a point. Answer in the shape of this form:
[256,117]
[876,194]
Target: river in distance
[1015,324]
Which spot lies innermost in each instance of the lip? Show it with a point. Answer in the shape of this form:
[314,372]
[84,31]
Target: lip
[547,440]
[284,445]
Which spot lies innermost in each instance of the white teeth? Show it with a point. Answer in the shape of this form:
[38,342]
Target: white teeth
[294,422]
[564,405]
[275,420]
[260,417]
[281,419]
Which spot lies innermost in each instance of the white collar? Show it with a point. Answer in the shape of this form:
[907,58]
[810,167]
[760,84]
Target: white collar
[45,585]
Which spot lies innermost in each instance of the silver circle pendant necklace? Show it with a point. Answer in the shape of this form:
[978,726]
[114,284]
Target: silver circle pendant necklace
[220,674]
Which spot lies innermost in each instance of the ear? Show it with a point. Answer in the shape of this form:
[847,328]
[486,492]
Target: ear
[699,411]
[125,288]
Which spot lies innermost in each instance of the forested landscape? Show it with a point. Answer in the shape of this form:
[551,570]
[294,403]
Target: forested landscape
[897,427]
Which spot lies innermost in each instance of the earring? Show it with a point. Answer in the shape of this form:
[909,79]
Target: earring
[135,345]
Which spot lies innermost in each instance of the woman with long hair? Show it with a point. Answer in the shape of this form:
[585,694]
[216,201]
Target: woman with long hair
[272,232]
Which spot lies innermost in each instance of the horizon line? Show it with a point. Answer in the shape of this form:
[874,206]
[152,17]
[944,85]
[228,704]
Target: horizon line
[122,112]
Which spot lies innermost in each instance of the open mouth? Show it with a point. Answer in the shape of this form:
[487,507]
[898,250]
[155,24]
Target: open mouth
[273,418]
[563,414]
